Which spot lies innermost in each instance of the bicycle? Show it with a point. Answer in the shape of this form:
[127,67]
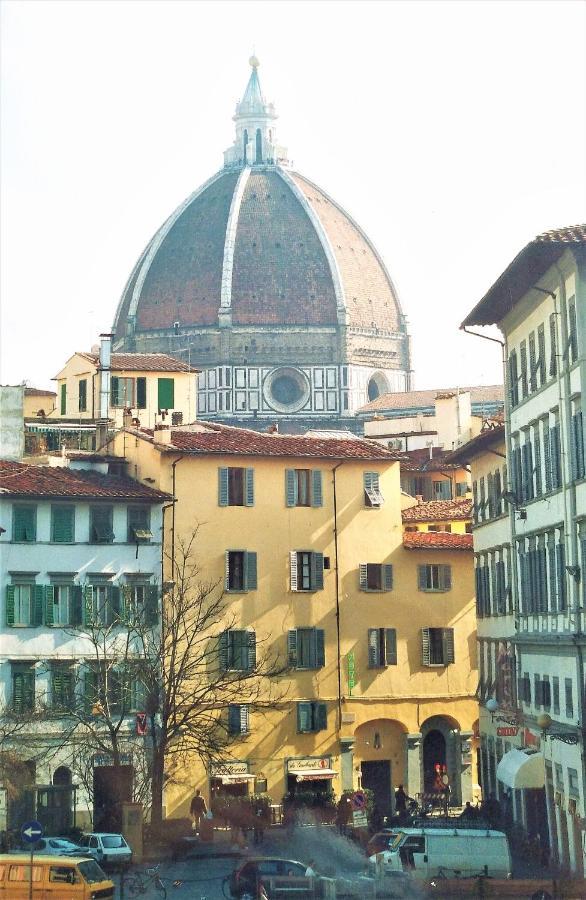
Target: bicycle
[142,881]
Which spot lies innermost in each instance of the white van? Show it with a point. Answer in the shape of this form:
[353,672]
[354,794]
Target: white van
[448,852]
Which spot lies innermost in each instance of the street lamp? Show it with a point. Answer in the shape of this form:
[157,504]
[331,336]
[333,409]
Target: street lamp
[544,721]
[492,706]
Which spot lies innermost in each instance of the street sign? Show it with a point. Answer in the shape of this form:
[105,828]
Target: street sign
[359,819]
[31,832]
[359,801]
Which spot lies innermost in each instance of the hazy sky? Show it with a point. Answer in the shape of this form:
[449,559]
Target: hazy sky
[453,133]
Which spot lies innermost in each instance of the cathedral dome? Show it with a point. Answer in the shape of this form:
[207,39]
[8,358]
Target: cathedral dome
[260,267]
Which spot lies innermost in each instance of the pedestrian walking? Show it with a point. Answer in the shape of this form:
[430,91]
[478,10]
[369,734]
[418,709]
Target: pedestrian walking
[197,810]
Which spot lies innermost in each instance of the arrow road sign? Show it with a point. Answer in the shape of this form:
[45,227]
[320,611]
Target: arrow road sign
[31,832]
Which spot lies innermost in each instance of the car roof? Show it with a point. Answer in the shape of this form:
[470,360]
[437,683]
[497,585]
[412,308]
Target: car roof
[102,834]
[453,831]
[273,859]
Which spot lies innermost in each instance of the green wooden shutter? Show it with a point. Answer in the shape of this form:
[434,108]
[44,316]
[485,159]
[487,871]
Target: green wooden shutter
[292,647]
[152,605]
[90,689]
[363,576]
[373,648]
[320,649]
[18,691]
[38,600]
[114,390]
[293,569]
[141,393]
[62,526]
[387,577]
[57,687]
[553,362]
[10,604]
[547,455]
[165,393]
[290,487]
[316,488]
[82,395]
[446,577]
[116,604]
[49,603]
[321,716]
[422,577]
[541,350]
[251,655]
[77,605]
[223,643]
[24,523]
[304,717]
[63,398]
[250,577]
[227,569]
[391,646]
[249,488]
[425,650]
[88,604]
[561,573]
[223,486]
[234,719]
[532,363]
[448,645]
[317,571]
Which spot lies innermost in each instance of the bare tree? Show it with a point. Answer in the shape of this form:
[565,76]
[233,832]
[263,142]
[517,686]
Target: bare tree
[197,667]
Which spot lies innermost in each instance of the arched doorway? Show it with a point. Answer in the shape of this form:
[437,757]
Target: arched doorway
[55,803]
[434,760]
[380,756]
[441,757]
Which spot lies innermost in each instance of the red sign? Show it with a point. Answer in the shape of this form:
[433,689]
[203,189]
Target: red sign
[359,801]
[531,740]
[507,731]
[141,723]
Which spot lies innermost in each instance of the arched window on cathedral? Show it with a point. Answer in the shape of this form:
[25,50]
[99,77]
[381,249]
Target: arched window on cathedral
[270,135]
[258,146]
[245,145]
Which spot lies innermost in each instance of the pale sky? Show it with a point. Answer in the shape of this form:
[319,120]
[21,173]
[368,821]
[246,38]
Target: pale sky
[452,132]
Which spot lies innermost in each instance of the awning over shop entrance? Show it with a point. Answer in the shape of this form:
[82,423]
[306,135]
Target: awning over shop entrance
[314,774]
[234,779]
[520,769]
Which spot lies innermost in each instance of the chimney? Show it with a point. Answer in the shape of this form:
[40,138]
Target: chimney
[162,436]
[273,429]
[104,367]
[419,498]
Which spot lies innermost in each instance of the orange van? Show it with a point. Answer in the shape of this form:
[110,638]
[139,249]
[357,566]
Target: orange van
[54,878]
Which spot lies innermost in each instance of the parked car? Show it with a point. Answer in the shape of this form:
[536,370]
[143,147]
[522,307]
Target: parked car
[55,846]
[106,848]
[272,872]
[55,878]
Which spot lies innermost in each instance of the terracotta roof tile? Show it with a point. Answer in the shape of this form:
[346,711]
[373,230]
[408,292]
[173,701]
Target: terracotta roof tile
[572,234]
[438,510]
[420,460]
[144,362]
[38,392]
[21,480]
[436,540]
[491,393]
[214,438]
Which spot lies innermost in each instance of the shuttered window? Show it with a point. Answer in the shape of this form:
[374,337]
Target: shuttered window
[237,650]
[235,486]
[121,392]
[139,524]
[569,690]
[165,393]
[23,688]
[102,605]
[240,570]
[238,719]
[101,524]
[24,604]
[541,358]
[513,379]
[572,331]
[524,381]
[312,716]
[139,603]
[303,487]
[577,446]
[63,399]
[372,492]
[437,646]
[553,360]
[63,524]
[382,647]
[24,523]
[376,577]
[434,577]
[82,395]
[532,363]
[555,457]
[307,570]
[141,393]
[62,686]
[58,598]
[306,648]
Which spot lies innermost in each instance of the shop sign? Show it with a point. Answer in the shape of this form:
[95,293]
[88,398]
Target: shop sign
[351,672]
[104,759]
[310,762]
[229,768]
[507,731]
[531,740]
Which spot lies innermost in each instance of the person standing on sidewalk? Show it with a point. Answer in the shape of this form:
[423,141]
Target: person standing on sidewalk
[197,810]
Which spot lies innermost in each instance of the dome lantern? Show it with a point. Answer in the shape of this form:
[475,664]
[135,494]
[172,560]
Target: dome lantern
[255,141]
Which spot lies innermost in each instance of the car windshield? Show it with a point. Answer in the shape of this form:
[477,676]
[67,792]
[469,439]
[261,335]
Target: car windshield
[111,841]
[59,844]
[396,841]
[91,872]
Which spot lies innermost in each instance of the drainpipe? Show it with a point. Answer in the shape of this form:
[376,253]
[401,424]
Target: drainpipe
[173,482]
[337,587]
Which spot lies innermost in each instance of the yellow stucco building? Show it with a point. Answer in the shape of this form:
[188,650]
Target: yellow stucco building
[380,636]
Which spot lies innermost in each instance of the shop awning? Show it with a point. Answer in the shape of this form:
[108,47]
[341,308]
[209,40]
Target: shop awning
[234,779]
[314,774]
[520,769]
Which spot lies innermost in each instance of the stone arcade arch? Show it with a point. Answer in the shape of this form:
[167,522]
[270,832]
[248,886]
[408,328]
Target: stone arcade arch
[380,760]
[441,746]
[377,385]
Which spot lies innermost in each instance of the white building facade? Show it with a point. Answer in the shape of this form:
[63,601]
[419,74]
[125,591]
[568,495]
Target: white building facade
[79,553]
[539,304]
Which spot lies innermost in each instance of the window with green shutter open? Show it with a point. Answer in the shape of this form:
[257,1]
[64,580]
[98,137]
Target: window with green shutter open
[62,686]
[101,524]
[24,523]
[372,493]
[433,577]
[240,570]
[303,487]
[24,604]
[63,524]
[63,399]
[382,647]
[311,716]
[235,486]
[237,650]
[139,524]
[306,648]
[238,719]
[376,577]
[437,646]
[58,604]
[23,687]
[165,393]
[82,395]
